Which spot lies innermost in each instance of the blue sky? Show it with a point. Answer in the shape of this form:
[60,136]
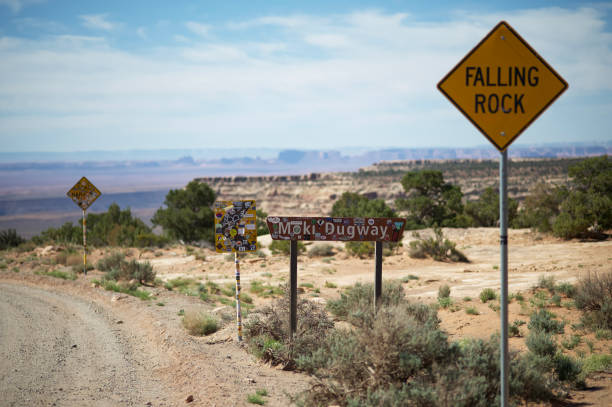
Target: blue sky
[106,75]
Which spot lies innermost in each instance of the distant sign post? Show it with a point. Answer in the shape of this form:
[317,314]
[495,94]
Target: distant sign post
[502,86]
[84,193]
[293,229]
[236,231]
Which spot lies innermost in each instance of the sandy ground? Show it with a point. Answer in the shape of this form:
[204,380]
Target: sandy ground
[161,364]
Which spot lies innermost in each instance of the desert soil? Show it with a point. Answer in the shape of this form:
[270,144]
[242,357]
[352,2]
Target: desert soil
[134,352]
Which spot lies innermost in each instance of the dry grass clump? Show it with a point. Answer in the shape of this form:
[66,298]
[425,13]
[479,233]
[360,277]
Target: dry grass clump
[267,331]
[200,323]
[594,296]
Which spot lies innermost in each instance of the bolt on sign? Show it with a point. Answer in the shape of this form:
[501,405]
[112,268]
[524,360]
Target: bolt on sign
[502,85]
[339,229]
[83,193]
[235,226]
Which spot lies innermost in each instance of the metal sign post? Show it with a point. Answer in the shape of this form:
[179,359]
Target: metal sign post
[236,231]
[84,193]
[238,311]
[502,86]
[503,243]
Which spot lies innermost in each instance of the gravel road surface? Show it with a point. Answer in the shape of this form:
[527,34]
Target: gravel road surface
[58,350]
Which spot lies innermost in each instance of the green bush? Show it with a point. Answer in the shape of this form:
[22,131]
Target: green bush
[431,201]
[284,247]
[356,303]
[362,250]
[187,214]
[586,211]
[438,248]
[117,268]
[321,250]
[111,261]
[487,294]
[351,205]
[540,208]
[9,238]
[145,239]
[541,343]
[543,321]
[485,210]
[547,283]
[566,289]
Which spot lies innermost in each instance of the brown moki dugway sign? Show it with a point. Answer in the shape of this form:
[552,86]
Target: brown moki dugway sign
[335,229]
[502,85]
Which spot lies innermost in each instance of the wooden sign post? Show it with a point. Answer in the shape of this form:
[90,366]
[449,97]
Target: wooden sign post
[502,86]
[236,231]
[84,193]
[333,229]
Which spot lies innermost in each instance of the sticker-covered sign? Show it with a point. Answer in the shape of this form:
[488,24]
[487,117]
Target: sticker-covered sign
[235,226]
[330,228]
[502,85]
[83,193]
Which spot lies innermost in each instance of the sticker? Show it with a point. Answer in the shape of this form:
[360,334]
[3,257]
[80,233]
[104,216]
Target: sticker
[370,222]
[273,219]
[320,222]
[297,229]
[251,226]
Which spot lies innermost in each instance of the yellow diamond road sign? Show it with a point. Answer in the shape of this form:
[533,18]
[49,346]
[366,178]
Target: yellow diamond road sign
[84,193]
[502,85]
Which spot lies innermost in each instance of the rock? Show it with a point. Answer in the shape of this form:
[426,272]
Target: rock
[117,297]
[189,399]
[47,250]
[250,380]
[74,346]
[118,321]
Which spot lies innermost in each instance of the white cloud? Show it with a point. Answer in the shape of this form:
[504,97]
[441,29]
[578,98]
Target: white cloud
[374,82]
[98,22]
[198,28]
[142,33]
[17,5]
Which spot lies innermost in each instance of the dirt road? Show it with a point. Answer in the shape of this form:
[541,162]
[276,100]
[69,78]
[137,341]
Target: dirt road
[58,350]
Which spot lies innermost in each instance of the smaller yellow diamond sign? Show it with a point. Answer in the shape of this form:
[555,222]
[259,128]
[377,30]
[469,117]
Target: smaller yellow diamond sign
[84,193]
[235,226]
[502,85]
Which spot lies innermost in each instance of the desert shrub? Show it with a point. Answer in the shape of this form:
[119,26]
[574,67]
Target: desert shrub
[200,323]
[485,210]
[587,207]
[117,268]
[402,360]
[594,296]
[265,290]
[187,214]
[268,336]
[438,248]
[362,250]
[431,201]
[567,368]
[541,343]
[145,239]
[284,247]
[571,342]
[540,208]
[547,283]
[471,311]
[444,291]
[9,238]
[513,330]
[357,302]
[543,321]
[487,294]
[321,250]
[65,234]
[352,205]
[566,289]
